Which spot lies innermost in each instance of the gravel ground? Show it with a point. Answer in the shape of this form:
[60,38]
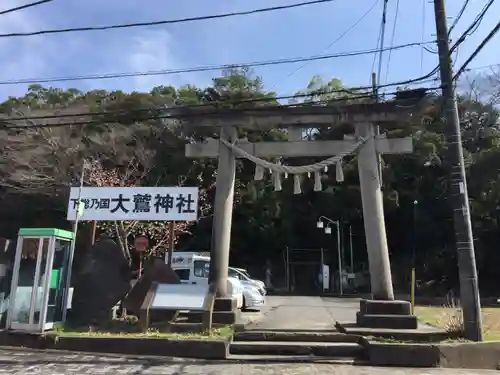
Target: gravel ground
[19,361]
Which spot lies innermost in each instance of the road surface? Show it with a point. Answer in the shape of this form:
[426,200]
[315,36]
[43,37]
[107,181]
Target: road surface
[305,313]
[18,361]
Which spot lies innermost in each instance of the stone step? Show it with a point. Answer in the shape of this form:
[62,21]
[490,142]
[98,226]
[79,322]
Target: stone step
[274,336]
[268,359]
[280,348]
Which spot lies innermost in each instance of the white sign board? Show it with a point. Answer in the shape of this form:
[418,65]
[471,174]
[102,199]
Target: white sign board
[135,203]
[180,297]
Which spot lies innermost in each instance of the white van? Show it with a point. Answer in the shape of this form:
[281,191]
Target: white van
[193,268]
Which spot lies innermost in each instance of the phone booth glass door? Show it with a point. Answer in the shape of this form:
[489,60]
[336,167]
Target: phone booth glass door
[33,263]
[57,285]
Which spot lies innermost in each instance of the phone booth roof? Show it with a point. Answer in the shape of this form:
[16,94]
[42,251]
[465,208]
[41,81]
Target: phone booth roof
[46,232]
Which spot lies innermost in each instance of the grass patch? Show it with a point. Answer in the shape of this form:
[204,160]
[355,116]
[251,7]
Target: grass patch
[450,319]
[129,328]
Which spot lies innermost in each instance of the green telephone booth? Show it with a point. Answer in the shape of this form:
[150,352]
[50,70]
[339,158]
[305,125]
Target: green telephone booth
[40,291]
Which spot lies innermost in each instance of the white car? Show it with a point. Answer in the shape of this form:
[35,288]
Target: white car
[252,297]
[194,269]
[246,279]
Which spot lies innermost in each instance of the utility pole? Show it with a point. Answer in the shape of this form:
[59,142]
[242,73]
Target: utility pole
[469,290]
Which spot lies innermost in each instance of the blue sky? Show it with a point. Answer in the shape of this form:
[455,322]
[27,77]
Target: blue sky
[274,35]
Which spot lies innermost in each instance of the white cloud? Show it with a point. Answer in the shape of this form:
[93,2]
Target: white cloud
[20,56]
[85,53]
[153,50]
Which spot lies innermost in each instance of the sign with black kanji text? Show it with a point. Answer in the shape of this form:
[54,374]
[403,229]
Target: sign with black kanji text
[134,203]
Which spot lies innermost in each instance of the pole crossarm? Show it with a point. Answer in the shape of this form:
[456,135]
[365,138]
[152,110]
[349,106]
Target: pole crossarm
[210,149]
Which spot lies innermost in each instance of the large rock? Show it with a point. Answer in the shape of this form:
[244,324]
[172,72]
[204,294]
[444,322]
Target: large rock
[102,281]
[158,272]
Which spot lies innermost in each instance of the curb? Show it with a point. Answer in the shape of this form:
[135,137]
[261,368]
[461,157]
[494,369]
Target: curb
[188,348]
[484,355]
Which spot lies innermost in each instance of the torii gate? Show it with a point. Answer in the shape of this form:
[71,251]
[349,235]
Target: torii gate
[363,116]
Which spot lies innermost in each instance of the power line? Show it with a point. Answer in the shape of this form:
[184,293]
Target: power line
[482,67]
[423,79]
[207,68]
[393,37]
[474,25]
[485,41]
[422,35]
[378,44]
[340,36]
[382,40]
[457,18]
[171,115]
[165,22]
[195,106]
[363,95]
[25,6]
[166,116]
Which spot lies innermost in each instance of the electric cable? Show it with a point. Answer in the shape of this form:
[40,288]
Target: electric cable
[375,56]
[421,79]
[393,37]
[171,115]
[382,41]
[339,37]
[206,68]
[422,35]
[352,90]
[164,22]
[479,48]
[25,6]
[473,26]
[459,15]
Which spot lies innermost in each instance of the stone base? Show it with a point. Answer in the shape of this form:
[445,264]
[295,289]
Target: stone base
[374,307]
[224,317]
[225,304]
[386,314]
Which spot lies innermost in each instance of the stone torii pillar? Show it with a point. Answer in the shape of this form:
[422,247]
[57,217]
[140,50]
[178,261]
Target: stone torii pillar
[373,215]
[223,213]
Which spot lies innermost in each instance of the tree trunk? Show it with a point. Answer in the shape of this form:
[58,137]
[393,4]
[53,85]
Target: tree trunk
[121,235]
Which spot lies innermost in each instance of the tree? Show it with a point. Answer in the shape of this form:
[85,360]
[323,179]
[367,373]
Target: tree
[39,165]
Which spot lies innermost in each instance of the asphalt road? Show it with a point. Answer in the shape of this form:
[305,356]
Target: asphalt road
[13,361]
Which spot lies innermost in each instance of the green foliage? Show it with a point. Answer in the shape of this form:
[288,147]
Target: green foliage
[264,221]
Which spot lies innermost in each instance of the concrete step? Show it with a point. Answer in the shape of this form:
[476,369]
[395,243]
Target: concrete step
[279,348]
[295,336]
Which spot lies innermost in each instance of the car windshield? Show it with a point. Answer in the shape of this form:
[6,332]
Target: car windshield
[245,273]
